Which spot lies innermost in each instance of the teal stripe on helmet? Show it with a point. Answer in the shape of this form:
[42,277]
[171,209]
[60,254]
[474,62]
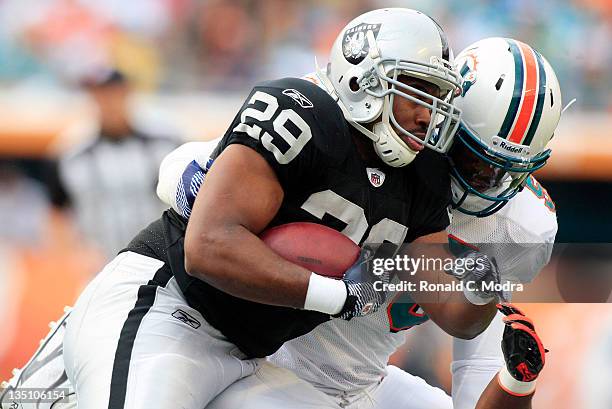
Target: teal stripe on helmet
[464,69]
[517,95]
[540,104]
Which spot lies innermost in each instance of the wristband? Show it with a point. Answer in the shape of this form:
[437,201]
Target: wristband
[325,294]
[512,386]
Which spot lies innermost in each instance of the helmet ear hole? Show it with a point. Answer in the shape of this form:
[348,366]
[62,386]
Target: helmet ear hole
[353,84]
[499,82]
[552,100]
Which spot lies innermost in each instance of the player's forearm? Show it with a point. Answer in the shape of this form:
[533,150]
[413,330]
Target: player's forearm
[450,310]
[494,397]
[221,243]
[462,320]
[237,262]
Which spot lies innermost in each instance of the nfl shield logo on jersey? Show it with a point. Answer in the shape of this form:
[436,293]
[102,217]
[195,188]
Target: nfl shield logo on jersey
[376,176]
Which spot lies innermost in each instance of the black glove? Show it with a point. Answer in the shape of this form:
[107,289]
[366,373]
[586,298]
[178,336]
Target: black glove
[523,350]
[362,297]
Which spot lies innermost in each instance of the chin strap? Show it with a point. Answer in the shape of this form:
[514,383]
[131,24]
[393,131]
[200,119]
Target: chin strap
[389,149]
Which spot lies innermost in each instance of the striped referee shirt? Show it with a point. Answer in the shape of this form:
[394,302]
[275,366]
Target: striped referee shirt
[111,186]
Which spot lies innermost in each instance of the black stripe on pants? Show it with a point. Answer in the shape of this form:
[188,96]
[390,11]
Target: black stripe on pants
[121,366]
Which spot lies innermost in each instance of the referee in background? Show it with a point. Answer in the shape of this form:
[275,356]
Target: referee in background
[109,180]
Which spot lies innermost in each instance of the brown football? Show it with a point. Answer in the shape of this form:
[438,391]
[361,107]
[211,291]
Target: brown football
[313,246]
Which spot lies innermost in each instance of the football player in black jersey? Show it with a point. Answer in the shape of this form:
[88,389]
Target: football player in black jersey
[186,307]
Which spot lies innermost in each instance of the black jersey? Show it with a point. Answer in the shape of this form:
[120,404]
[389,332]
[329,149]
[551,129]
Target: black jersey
[301,132]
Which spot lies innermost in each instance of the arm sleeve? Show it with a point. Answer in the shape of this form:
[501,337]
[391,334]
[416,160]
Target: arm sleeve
[475,363]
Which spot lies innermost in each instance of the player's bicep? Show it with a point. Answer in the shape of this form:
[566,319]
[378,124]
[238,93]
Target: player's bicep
[240,190]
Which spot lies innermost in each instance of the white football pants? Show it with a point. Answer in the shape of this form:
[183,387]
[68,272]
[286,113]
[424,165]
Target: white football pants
[475,363]
[133,342]
[271,387]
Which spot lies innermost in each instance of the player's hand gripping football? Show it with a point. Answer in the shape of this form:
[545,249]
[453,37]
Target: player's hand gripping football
[362,296]
[523,350]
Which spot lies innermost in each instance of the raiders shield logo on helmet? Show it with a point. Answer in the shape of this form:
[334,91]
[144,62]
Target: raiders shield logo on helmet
[355,44]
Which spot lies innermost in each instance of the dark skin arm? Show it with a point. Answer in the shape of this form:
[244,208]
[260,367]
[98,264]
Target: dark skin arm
[494,397]
[451,311]
[238,199]
[222,247]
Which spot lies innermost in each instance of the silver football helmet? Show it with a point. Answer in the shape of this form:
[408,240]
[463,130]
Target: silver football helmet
[367,58]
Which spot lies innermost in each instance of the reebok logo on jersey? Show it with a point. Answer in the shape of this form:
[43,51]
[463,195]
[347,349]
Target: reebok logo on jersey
[186,318]
[376,177]
[298,97]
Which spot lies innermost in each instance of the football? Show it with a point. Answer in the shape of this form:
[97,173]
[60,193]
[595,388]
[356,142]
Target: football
[318,248]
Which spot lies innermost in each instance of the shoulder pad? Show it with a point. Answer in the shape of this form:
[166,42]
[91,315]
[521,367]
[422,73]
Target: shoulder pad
[330,131]
[531,213]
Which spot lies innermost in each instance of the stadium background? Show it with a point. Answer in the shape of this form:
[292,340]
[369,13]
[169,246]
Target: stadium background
[193,62]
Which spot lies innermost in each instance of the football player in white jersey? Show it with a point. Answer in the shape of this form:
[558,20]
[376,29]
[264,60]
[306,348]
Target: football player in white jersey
[343,364]
[512,103]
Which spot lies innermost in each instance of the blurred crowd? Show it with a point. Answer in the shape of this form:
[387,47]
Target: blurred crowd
[193,45]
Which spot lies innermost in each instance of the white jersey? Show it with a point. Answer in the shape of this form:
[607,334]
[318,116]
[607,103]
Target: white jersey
[347,356]
[343,355]
[351,355]
[520,236]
